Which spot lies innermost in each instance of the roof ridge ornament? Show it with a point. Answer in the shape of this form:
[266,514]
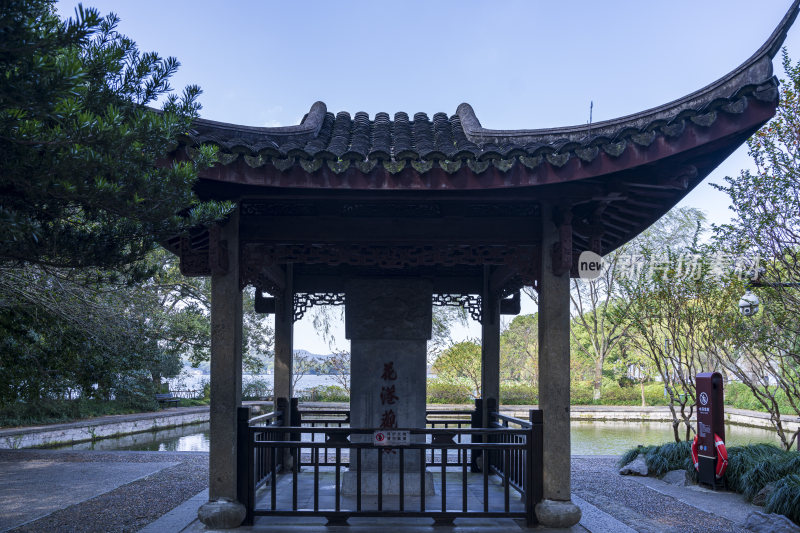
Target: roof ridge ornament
[309,126]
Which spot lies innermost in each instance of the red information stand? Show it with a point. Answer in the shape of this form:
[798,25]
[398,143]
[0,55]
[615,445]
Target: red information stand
[709,444]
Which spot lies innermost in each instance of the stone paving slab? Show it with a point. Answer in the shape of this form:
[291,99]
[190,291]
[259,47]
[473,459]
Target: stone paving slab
[35,488]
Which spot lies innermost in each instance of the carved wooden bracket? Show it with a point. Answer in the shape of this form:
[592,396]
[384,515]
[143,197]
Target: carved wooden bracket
[597,229]
[264,304]
[510,305]
[193,263]
[562,250]
[217,251]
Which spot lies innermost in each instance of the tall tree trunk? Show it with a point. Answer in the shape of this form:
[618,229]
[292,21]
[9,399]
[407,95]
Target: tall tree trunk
[598,379]
[641,385]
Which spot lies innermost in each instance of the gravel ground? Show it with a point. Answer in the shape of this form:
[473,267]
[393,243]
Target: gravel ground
[134,505]
[595,479]
[131,506]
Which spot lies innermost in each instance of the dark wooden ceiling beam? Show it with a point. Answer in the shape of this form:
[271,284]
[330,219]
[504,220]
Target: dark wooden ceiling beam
[500,278]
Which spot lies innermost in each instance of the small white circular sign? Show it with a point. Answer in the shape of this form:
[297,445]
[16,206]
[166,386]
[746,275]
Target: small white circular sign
[703,398]
[590,266]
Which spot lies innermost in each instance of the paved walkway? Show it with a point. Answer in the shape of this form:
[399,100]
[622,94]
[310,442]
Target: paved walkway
[160,492]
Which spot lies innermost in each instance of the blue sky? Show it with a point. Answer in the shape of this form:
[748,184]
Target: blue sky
[520,64]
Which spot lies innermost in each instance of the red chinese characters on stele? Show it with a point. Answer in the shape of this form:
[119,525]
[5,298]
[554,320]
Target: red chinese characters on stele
[388,397]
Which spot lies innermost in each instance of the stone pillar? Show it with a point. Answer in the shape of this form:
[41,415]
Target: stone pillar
[490,345]
[222,509]
[283,368]
[388,322]
[284,339]
[556,509]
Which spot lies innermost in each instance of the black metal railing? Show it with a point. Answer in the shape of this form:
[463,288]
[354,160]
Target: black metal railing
[499,466]
[517,465]
[187,394]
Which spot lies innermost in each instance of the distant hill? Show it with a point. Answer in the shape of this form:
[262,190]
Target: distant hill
[314,356]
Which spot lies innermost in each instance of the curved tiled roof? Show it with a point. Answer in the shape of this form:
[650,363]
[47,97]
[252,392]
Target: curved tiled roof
[354,143]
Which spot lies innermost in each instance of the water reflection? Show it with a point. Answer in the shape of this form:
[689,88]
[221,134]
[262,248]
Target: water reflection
[193,438]
[588,438]
[614,438]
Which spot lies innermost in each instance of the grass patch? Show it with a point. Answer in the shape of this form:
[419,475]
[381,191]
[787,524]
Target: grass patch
[661,458]
[56,411]
[786,498]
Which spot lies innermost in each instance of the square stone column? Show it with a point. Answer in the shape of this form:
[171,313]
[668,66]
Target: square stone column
[223,510]
[556,509]
[388,322]
[284,340]
[490,344]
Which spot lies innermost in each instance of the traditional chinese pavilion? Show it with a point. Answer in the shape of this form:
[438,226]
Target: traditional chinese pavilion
[393,214]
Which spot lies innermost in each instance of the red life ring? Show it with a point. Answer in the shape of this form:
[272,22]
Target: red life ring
[722,456]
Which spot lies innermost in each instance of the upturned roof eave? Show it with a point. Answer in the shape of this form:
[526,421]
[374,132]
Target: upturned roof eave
[753,72]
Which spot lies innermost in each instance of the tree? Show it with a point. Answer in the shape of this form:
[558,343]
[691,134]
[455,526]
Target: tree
[339,367]
[461,361]
[596,330]
[766,204]
[744,347]
[61,335]
[79,180]
[443,318]
[663,282]
[302,364]
[519,349]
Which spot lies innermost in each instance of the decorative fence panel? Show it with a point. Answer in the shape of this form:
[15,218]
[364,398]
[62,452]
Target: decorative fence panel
[298,470]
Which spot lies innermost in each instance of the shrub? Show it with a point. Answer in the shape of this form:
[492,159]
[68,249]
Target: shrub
[662,458]
[785,499]
[518,394]
[441,391]
[580,393]
[325,393]
[47,411]
[740,396]
[613,394]
[256,389]
[750,469]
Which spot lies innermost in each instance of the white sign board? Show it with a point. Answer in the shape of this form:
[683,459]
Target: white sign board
[391,437]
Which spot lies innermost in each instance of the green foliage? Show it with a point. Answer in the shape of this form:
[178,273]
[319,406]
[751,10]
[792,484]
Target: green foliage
[325,393]
[515,393]
[519,349]
[449,392]
[662,458]
[461,361]
[193,402]
[740,396]
[256,389]
[785,499]
[766,205]
[580,393]
[632,395]
[78,178]
[750,469]
[55,411]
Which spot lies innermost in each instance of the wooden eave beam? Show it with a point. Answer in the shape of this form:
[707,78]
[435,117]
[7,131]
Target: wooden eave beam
[500,277]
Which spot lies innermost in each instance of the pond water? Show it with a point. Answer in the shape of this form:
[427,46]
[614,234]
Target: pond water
[588,438]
